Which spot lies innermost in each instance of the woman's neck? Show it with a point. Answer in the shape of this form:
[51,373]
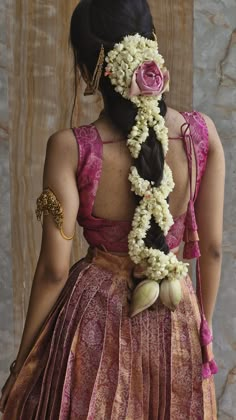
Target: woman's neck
[107,128]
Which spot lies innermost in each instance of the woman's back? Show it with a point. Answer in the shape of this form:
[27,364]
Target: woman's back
[107,204]
[114,199]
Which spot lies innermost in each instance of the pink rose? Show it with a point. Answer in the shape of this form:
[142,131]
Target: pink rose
[148,79]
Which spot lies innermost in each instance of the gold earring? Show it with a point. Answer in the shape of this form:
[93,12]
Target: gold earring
[92,85]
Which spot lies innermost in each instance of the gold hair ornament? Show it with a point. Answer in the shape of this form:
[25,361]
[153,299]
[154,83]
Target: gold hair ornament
[154,34]
[92,85]
[47,203]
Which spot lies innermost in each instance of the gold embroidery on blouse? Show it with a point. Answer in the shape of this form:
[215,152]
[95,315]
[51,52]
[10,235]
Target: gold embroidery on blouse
[47,203]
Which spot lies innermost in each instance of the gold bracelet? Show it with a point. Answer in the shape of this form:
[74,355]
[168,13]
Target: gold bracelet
[47,203]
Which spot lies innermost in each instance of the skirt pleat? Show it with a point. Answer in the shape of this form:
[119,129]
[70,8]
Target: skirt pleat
[91,361]
[145,363]
[163,368]
[186,370]
[135,402]
[121,396]
[62,336]
[30,386]
[154,354]
[58,357]
[81,305]
[107,373]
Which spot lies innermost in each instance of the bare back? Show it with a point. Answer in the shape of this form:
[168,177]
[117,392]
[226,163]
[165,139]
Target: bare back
[114,199]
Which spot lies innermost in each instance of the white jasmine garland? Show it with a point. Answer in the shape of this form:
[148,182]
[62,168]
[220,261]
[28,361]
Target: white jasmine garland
[122,63]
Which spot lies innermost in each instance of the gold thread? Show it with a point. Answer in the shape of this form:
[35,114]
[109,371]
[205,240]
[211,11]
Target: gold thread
[47,203]
[92,85]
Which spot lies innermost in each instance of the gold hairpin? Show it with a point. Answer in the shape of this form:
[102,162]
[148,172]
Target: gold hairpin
[92,85]
[154,34]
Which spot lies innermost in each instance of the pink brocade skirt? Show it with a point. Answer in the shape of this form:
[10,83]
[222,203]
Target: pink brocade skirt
[92,361]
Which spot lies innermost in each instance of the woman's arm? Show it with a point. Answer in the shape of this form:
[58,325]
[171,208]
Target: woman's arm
[209,213]
[53,264]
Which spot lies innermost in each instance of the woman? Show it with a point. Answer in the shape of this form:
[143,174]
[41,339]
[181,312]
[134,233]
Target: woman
[122,334]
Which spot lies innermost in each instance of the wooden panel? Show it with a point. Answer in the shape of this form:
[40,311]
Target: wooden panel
[173,21]
[174,25]
[40,80]
[41,96]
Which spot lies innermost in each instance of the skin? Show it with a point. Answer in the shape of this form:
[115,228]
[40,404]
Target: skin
[60,168]
[209,214]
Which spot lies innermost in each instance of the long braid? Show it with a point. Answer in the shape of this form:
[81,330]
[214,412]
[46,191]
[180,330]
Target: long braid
[97,23]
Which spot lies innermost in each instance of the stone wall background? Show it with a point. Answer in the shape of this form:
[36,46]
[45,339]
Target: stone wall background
[6,292]
[214,94]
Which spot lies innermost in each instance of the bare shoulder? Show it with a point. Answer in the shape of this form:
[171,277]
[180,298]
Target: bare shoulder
[209,122]
[174,115]
[62,145]
[215,144]
[62,139]
[174,120]
[214,139]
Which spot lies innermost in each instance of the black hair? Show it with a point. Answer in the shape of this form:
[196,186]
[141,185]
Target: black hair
[96,22]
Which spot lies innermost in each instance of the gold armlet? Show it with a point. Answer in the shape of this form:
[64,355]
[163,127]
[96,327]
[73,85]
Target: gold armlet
[47,203]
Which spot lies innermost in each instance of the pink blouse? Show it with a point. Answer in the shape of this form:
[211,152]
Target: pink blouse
[113,235]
